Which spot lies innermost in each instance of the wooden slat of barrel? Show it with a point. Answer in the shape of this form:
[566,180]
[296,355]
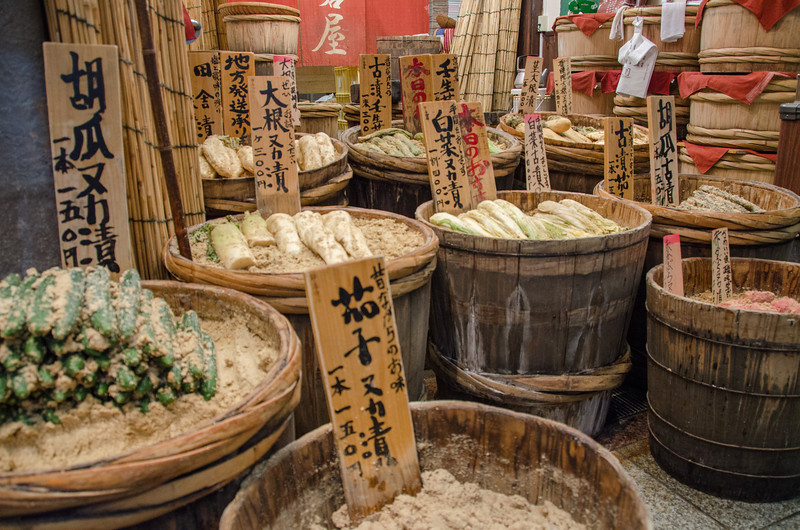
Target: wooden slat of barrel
[587,52]
[678,56]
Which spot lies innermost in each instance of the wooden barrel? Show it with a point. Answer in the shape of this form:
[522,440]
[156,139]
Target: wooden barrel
[720,120]
[319,117]
[477,444]
[597,103]
[399,46]
[723,393]
[587,52]
[264,63]
[636,108]
[538,326]
[155,479]
[678,56]
[746,46]
[272,34]
[400,184]
[735,164]
[410,276]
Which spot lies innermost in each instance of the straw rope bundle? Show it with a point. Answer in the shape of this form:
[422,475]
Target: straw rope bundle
[486,44]
[93,22]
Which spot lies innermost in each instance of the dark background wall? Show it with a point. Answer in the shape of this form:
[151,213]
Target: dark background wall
[28,222]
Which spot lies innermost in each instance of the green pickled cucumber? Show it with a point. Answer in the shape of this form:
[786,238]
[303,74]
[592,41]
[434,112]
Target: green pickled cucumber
[209,386]
[98,301]
[40,309]
[130,291]
[17,316]
[165,332]
[72,305]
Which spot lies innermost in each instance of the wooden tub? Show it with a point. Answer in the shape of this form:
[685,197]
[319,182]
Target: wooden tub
[497,449]
[587,52]
[270,34]
[538,326]
[319,117]
[724,392]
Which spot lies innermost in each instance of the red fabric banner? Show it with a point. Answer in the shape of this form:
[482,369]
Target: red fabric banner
[746,88]
[609,79]
[768,12]
[705,156]
[588,22]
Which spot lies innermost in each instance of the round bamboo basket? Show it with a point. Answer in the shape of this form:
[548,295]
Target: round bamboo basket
[476,443]
[156,479]
[400,184]
[747,47]
[720,120]
[538,326]
[272,34]
[593,52]
[735,164]
[410,285]
[319,117]
[723,394]
[678,56]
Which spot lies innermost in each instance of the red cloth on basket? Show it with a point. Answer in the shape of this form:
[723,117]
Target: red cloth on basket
[746,88]
[588,22]
[768,12]
[705,156]
[609,79]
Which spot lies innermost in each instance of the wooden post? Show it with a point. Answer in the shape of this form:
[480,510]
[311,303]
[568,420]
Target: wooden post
[787,169]
[618,157]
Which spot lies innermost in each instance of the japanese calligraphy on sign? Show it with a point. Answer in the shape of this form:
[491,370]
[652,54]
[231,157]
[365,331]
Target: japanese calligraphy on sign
[274,157]
[417,87]
[204,69]
[444,145]
[673,268]
[478,161]
[530,85]
[663,150]
[444,76]
[284,65]
[376,92]
[537,175]
[83,106]
[362,370]
[618,157]
[236,67]
[563,85]
[721,281]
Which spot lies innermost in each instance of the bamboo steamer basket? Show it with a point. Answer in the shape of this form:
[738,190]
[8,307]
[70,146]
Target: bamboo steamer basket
[410,285]
[485,445]
[747,47]
[720,120]
[156,479]
[400,184]
[270,34]
[724,396]
[538,326]
[735,164]
[319,117]
[678,56]
[592,52]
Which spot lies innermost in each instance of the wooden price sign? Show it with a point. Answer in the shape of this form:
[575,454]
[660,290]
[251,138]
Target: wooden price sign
[618,157]
[537,175]
[721,281]
[417,87]
[284,65]
[478,161]
[444,146]
[673,268]
[236,67]
[375,73]
[205,74]
[444,76]
[274,157]
[563,85]
[530,85]
[362,371]
[663,150]
[83,107]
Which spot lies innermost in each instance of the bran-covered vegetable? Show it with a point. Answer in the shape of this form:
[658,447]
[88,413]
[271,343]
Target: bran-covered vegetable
[394,141]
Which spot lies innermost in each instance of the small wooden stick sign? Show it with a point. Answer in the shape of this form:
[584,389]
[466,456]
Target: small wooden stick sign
[673,267]
[563,85]
[530,85]
[274,157]
[375,73]
[355,332]
[537,175]
[721,281]
[663,150]
[618,157]
[284,66]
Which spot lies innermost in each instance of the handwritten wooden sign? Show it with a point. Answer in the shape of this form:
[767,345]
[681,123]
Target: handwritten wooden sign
[204,70]
[530,85]
[444,146]
[236,67]
[673,267]
[375,73]
[721,281]
[444,76]
[537,175]
[360,361]
[274,157]
[663,150]
[478,159]
[618,157]
[284,65]
[563,85]
[417,87]
[83,107]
